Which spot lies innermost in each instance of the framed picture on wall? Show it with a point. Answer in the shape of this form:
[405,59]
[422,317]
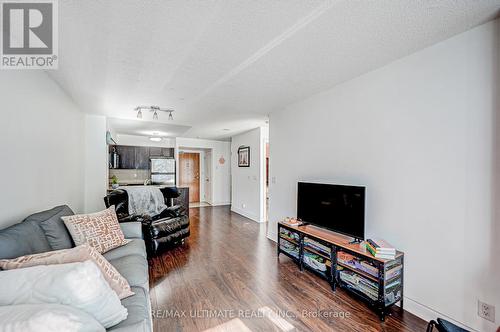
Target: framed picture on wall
[244,156]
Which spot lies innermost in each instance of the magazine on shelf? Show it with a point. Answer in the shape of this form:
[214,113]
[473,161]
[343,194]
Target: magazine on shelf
[317,246]
[382,246]
[378,254]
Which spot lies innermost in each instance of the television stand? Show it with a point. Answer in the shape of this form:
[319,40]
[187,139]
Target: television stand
[329,255]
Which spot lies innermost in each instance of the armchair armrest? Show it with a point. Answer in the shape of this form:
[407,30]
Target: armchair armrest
[132,230]
[127,218]
[171,212]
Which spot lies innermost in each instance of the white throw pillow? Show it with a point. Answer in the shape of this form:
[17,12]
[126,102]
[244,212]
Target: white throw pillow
[79,285]
[77,254]
[46,318]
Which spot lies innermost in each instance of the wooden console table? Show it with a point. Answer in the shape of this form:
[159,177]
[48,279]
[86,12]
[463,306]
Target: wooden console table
[378,282]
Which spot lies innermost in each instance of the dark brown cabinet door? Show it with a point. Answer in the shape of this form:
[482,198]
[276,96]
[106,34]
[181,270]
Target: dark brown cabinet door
[155,151]
[137,157]
[127,156]
[161,152]
[167,152]
[141,157]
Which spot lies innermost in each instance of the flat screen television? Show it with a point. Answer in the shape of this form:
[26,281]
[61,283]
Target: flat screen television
[339,208]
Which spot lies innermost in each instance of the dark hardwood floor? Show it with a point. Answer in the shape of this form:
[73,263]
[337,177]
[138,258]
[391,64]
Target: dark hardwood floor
[227,277]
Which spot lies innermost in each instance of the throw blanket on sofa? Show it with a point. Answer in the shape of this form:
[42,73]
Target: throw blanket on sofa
[144,200]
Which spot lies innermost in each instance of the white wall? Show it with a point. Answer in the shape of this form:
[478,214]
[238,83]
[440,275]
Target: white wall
[247,183]
[423,135]
[96,163]
[221,176]
[41,143]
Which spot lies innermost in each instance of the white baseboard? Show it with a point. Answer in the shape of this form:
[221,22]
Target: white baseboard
[246,214]
[220,203]
[273,236]
[422,311]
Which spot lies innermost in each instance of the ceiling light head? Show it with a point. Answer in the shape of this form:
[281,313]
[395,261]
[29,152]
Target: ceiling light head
[155,139]
[155,110]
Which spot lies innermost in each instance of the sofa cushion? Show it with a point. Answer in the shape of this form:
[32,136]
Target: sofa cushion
[22,239]
[46,317]
[131,229]
[142,326]
[139,312]
[78,254]
[52,225]
[134,247]
[80,285]
[134,268]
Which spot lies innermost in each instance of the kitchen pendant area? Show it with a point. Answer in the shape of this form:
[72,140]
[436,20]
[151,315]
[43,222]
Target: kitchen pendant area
[141,165]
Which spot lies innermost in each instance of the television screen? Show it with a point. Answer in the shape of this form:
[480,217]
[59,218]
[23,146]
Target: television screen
[339,208]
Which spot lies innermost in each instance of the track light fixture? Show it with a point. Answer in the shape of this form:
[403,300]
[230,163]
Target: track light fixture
[155,110]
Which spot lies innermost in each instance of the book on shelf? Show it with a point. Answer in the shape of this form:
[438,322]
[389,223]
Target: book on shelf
[383,254]
[382,246]
[317,246]
[356,263]
[289,235]
[290,249]
[315,261]
[393,272]
[359,283]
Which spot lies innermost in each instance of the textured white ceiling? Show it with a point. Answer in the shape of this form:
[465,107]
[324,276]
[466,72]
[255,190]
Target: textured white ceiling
[226,64]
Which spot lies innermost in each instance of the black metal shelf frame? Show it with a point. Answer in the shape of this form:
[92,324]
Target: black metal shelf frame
[333,277]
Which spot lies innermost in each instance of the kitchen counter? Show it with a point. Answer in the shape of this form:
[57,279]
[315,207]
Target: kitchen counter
[141,184]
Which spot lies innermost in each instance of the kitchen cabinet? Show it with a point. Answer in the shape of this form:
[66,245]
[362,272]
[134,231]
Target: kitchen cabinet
[168,152]
[141,157]
[127,156]
[155,151]
[137,157]
[161,152]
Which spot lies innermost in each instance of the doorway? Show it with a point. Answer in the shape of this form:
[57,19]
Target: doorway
[189,174]
[208,177]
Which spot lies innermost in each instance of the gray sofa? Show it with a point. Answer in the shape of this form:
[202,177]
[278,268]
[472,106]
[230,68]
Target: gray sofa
[45,231]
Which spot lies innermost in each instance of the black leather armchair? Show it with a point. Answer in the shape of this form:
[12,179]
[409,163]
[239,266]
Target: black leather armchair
[161,231]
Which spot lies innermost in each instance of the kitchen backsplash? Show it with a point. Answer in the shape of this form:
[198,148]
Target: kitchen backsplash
[126,176]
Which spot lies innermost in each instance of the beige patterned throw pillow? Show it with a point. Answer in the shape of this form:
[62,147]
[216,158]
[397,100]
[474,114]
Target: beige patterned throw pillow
[78,254]
[100,230]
